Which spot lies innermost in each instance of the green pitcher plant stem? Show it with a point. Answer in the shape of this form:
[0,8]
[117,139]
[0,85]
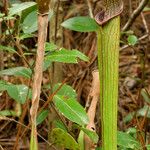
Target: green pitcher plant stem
[108,55]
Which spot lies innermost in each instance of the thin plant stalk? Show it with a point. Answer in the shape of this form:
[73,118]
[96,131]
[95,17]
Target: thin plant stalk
[43,10]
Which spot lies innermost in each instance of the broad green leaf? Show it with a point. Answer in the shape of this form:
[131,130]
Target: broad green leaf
[145,96]
[50,46]
[132,40]
[64,140]
[25,36]
[127,141]
[27,11]
[142,112]
[66,91]
[80,55]
[30,22]
[59,124]
[81,24]
[17,71]
[66,56]
[17,8]
[18,92]
[7,48]
[92,135]
[71,109]
[41,117]
[8,113]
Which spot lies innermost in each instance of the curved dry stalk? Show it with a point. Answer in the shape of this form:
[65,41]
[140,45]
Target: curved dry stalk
[43,9]
[94,96]
[37,80]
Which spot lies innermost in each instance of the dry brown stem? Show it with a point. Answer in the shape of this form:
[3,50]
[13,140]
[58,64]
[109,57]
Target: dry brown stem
[94,96]
[37,80]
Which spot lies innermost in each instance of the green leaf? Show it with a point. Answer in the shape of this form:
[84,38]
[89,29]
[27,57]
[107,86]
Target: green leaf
[71,109]
[8,113]
[146,9]
[41,117]
[92,135]
[27,11]
[14,113]
[59,124]
[30,22]
[132,40]
[64,140]
[66,91]
[81,24]
[17,8]
[129,32]
[127,141]
[19,92]
[131,131]
[47,63]
[145,95]
[17,71]
[81,140]
[50,46]
[66,56]
[3,85]
[25,36]
[148,147]
[80,55]
[7,48]
[15,1]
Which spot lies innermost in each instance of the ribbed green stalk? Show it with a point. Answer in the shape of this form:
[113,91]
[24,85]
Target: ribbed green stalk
[108,56]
